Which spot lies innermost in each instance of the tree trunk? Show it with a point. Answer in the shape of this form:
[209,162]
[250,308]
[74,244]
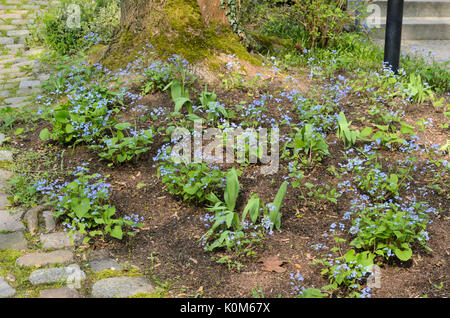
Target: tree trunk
[197,30]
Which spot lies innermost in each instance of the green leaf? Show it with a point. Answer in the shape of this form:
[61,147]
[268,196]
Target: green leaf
[117,232]
[280,196]
[312,293]
[62,116]
[179,102]
[366,132]
[44,134]
[69,129]
[122,126]
[81,208]
[232,189]
[252,207]
[212,198]
[403,254]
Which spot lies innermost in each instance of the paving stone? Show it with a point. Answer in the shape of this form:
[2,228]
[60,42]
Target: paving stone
[5,174]
[5,40]
[21,21]
[13,59]
[15,46]
[18,32]
[32,219]
[11,16]
[10,222]
[58,240]
[98,255]
[8,27]
[43,259]
[49,220]
[63,292]
[13,241]
[14,100]
[6,155]
[121,287]
[57,275]
[103,264]
[3,201]
[28,91]
[30,84]
[6,291]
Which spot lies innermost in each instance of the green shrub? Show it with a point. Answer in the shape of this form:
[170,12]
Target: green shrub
[323,20]
[98,20]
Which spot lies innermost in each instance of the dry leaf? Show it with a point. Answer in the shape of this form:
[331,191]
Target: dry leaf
[297,265]
[272,264]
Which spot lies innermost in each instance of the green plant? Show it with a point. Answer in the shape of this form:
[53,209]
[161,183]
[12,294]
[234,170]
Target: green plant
[12,117]
[389,229]
[311,142]
[119,148]
[323,20]
[212,107]
[192,181]
[30,167]
[320,194]
[348,135]
[84,205]
[434,73]
[157,76]
[84,117]
[179,93]
[348,271]
[97,21]
[229,229]
[311,293]
[414,89]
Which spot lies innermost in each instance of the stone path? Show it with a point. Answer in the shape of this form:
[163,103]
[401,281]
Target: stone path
[50,257]
[19,77]
[54,262]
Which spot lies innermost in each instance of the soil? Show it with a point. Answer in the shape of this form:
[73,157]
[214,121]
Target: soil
[168,245]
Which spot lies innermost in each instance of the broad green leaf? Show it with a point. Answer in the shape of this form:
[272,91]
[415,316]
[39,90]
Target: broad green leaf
[122,126]
[252,207]
[44,134]
[403,254]
[81,208]
[62,116]
[117,232]
[232,189]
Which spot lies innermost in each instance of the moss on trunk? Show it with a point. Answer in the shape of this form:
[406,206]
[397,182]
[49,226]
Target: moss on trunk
[172,27]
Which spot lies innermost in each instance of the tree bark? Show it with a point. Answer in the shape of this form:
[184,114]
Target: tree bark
[195,29]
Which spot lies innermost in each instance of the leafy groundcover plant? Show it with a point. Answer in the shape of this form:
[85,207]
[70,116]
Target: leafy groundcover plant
[84,206]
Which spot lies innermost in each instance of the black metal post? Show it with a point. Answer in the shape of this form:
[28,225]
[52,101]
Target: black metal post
[394,21]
